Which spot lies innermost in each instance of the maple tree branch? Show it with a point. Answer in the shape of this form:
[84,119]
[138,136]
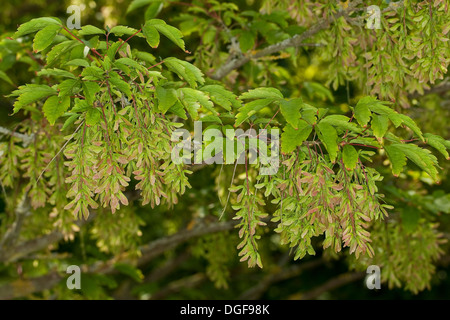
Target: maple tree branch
[295,41]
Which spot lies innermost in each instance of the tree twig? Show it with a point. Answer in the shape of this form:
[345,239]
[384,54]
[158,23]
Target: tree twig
[295,41]
[24,137]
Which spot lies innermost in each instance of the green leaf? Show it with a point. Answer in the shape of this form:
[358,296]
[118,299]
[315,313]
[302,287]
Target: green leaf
[178,110]
[328,135]
[136,4]
[130,271]
[56,73]
[121,85]
[55,107]
[80,106]
[166,98]
[170,32]
[78,62]
[121,30]
[342,122]
[439,143]
[407,121]
[250,109]
[186,71]
[349,157]
[291,111]
[292,138]
[262,93]
[92,73]
[93,117]
[211,118]
[31,93]
[59,51]
[221,96]
[397,158]
[5,77]
[380,108]
[45,37]
[89,30]
[131,63]
[194,99]
[90,89]
[362,113]
[69,87]
[423,158]
[69,121]
[153,10]
[151,35]
[380,125]
[35,25]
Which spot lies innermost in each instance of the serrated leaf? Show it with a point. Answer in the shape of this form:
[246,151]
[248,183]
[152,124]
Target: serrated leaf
[92,73]
[439,143]
[69,121]
[93,117]
[349,157]
[89,30]
[362,113]
[291,138]
[166,98]
[380,108]
[121,30]
[78,62]
[262,93]
[178,110]
[380,125]
[407,121]
[211,118]
[151,35]
[80,106]
[194,99]
[56,73]
[186,71]
[397,158]
[90,89]
[221,96]
[328,135]
[59,51]
[172,33]
[342,122]
[30,93]
[250,109]
[423,158]
[35,25]
[55,107]
[131,63]
[121,85]
[291,111]
[69,87]
[45,37]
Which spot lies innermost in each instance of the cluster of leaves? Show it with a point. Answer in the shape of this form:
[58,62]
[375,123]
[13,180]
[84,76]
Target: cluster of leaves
[102,116]
[406,251]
